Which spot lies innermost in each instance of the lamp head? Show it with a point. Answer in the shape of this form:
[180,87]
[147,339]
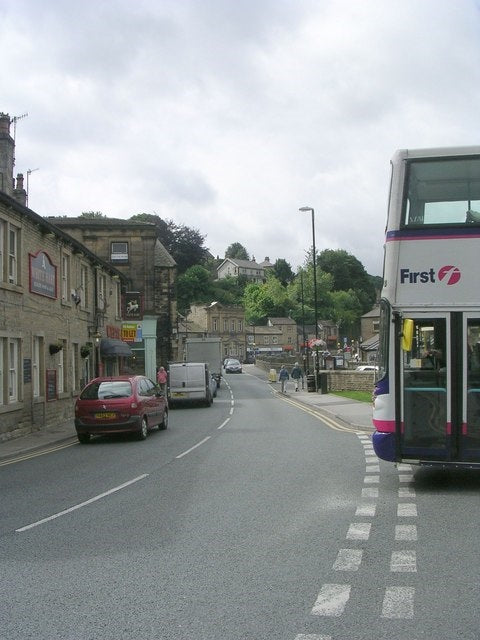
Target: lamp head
[306,209]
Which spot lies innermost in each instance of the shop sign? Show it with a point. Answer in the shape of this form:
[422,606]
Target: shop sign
[43,275]
[132,332]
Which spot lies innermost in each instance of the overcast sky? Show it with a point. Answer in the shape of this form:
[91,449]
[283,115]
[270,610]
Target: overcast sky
[229,115]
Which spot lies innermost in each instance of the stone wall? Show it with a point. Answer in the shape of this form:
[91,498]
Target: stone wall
[338,380]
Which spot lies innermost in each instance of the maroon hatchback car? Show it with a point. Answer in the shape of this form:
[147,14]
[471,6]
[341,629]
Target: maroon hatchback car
[120,404]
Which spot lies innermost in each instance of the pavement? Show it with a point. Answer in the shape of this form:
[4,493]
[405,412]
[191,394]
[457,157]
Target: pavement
[351,413]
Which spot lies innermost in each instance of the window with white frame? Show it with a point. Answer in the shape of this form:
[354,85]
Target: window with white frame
[13,369]
[65,277]
[75,365]
[102,292]
[119,252]
[83,287]
[240,326]
[61,369]
[215,324]
[13,251]
[232,326]
[266,339]
[37,365]
[274,339]
[225,325]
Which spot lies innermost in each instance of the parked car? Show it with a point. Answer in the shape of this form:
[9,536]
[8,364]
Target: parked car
[120,404]
[232,365]
[366,367]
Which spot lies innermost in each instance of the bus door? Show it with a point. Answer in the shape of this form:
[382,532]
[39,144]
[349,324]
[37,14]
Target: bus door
[424,431]
[469,439]
[440,404]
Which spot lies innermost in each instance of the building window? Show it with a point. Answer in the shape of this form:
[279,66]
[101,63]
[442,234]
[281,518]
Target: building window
[225,325]
[102,288]
[75,364]
[83,287]
[13,369]
[232,326]
[266,340]
[375,325]
[240,326]
[61,369]
[215,324]
[65,277]
[37,378]
[119,252]
[13,239]
[274,340]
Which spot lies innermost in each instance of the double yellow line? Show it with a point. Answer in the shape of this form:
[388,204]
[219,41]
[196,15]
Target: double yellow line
[35,454]
[330,422]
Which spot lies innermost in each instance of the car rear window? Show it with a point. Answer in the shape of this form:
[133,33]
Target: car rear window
[107,389]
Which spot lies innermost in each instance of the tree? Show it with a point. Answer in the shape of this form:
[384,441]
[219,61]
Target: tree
[283,271]
[348,273]
[92,214]
[264,300]
[195,285]
[183,243]
[237,251]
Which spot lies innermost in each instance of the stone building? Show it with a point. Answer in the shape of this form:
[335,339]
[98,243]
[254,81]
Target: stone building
[149,307]
[224,321]
[60,312]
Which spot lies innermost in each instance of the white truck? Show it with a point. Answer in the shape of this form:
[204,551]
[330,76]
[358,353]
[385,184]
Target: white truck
[207,350]
[190,382]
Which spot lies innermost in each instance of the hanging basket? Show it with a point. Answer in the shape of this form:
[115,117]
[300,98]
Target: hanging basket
[85,350]
[55,347]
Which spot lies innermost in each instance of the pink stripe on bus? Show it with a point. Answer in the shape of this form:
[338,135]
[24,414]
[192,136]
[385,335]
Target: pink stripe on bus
[385,426]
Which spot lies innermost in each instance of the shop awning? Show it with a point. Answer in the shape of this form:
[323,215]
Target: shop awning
[111,348]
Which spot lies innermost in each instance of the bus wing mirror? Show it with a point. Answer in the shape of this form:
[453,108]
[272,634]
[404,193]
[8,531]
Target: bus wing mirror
[407,334]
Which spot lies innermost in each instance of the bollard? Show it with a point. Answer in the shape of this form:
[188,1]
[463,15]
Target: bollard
[272,376]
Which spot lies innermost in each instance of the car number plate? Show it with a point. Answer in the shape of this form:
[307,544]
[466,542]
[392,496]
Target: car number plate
[178,394]
[105,414]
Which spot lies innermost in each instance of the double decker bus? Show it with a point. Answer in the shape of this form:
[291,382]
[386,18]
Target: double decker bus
[427,394]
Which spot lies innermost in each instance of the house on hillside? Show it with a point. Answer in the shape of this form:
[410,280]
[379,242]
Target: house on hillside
[249,269]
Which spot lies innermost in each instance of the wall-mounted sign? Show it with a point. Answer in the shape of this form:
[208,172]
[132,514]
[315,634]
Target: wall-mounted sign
[132,305]
[43,275]
[132,332]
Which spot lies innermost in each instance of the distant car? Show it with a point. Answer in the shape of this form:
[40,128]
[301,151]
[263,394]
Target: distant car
[233,366]
[120,404]
[366,367]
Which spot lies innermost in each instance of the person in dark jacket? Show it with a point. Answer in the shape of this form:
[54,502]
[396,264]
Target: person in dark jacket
[297,374]
[283,377]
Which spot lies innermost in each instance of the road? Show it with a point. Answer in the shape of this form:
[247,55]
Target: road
[249,520]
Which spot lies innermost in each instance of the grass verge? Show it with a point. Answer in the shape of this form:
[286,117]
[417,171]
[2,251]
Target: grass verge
[361,396]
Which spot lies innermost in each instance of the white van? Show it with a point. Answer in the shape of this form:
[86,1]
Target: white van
[190,382]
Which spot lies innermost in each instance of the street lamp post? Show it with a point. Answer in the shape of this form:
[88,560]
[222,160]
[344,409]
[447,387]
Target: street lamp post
[315,301]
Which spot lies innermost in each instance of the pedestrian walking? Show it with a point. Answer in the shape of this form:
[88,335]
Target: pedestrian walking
[297,374]
[283,377]
[162,378]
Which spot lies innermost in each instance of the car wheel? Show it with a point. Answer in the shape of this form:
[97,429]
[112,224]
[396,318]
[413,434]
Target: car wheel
[164,423]
[83,438]
[142,434]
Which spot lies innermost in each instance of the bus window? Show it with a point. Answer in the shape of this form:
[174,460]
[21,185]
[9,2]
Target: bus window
[445,192]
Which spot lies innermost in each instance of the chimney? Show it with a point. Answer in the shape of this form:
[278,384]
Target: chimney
[19,193]
[7,149]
